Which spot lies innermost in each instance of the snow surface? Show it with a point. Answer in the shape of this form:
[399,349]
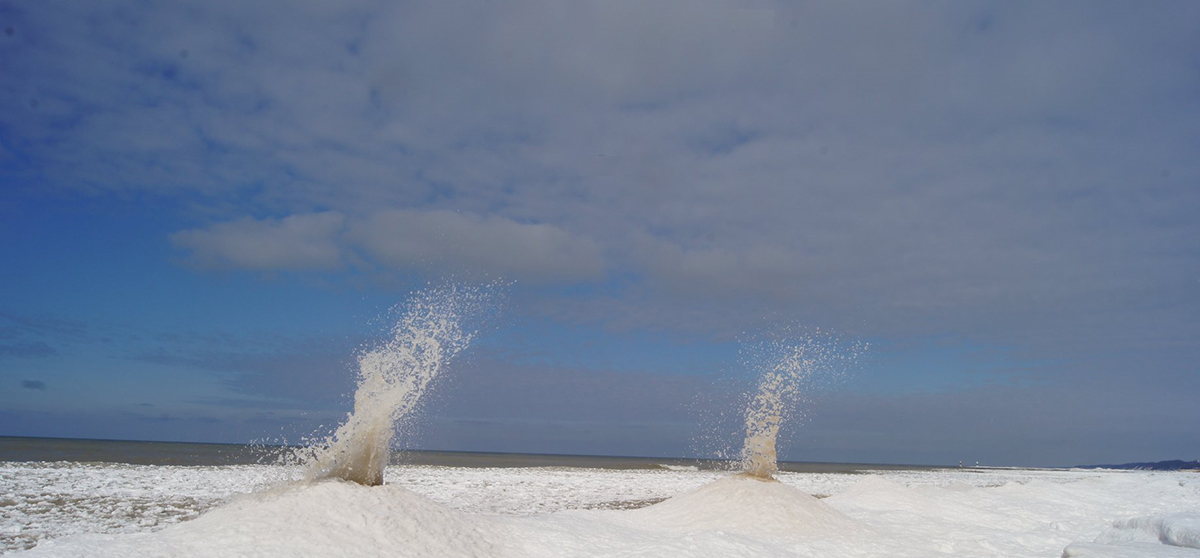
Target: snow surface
[102,510]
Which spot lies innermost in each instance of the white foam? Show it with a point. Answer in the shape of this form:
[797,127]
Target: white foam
[670,467]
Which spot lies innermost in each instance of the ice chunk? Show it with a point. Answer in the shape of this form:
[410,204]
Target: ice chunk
[1180,529]
[1130,550]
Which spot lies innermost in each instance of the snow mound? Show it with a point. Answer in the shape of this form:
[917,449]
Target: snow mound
[1181,529]
[331,518]
[747,506]
[1132,550]
[1156,536]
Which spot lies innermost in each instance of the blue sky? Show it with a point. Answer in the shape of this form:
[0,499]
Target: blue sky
[206,208]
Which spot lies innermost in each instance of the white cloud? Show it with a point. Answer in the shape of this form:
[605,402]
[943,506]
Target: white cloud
[979,168]
[472,245]
[405,240]
[305,241]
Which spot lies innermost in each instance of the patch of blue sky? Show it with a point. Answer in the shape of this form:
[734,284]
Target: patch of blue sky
[134,277]
[933,365]
[545,342]
[87,383]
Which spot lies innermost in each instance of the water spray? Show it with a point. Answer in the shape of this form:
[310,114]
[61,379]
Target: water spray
[435,326]
[786,368]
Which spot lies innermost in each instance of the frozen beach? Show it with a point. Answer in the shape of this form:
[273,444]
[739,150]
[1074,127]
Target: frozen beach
[345,495]
[81,509]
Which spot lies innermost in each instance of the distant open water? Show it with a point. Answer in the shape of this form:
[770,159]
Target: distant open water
[22,449]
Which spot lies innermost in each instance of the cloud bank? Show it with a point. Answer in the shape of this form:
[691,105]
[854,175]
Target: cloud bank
[1011,163]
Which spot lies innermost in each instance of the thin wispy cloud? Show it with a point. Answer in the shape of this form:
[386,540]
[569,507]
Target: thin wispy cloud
[28,349]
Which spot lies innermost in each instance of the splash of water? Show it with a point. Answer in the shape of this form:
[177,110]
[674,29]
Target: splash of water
[433,328]
[787,367]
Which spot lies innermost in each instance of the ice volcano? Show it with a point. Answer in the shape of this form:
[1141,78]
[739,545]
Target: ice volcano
[748,506]
[323,518]
[751,503]
[434,327]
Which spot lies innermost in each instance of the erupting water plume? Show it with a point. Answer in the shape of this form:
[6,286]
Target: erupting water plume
[392,377]
[785,366]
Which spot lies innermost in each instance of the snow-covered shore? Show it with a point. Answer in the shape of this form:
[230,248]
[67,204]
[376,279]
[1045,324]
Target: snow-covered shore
[74,509]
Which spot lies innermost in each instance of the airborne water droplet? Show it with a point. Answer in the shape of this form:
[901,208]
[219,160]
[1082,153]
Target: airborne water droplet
[392,377]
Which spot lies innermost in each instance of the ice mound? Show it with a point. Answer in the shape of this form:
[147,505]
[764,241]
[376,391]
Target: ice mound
[747,506]
[1158,536]
[330,518]
[1130,550]
[1181,529]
